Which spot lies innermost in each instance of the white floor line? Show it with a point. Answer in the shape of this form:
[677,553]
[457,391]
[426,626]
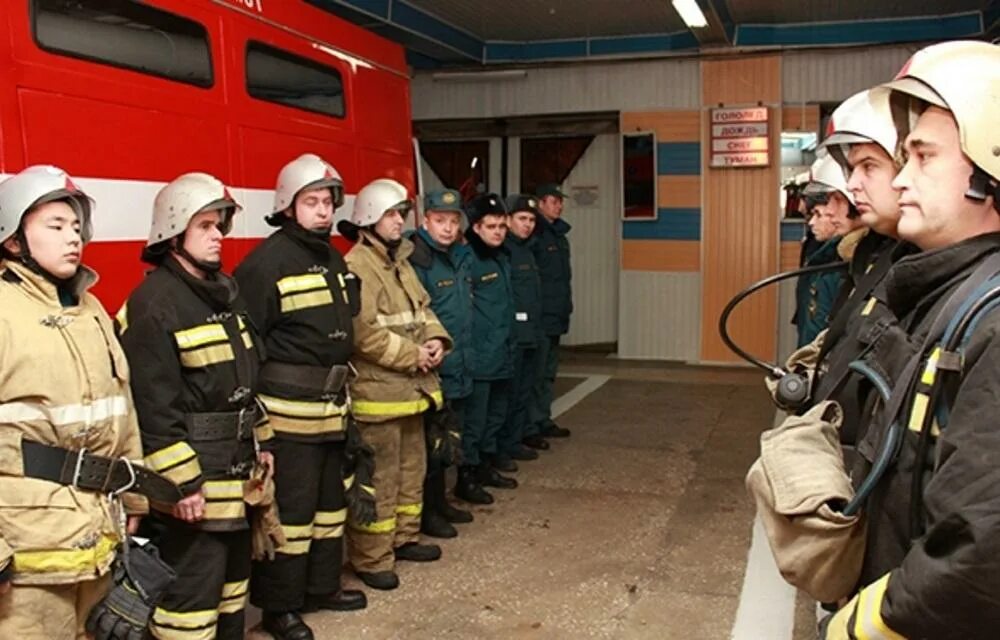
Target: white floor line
[767,602]
[568,400]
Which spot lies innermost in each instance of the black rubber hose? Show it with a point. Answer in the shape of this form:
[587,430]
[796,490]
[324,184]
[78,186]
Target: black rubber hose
[888,450]
[772,369]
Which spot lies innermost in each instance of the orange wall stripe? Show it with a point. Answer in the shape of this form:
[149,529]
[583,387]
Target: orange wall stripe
[790,252]
[661,255]
[683,192]
[800,118]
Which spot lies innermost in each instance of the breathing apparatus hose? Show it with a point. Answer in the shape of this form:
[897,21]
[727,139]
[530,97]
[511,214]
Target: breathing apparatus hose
[793,388]
[889,449]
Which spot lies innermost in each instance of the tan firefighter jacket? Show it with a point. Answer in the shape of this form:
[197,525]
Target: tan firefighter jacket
[394,321]
[63,382]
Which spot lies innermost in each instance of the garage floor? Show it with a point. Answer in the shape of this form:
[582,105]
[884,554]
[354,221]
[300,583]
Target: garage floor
[637,526]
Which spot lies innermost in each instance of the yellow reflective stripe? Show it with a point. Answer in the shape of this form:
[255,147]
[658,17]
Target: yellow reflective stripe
[413,509]
[301,408]
[348,482]
[234,604]
[343,288]
[69,560]
[184,624]
[98,410]
[306,300]
[223,489]
[263,432]
[183,473]
[919,410]
[122,319]
[296,547]
[368,490]
[207,356]
[232,589]
[412,407]
[171,456]
[297,531]
[328,533]
[247,342]
[329,518]
[200,335]
[305,282]
[225,510]
[393,348]
[930,369]
[869,307]
[379,526]
[869,624]
[400,319]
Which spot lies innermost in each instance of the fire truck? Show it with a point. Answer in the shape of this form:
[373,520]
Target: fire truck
[127,95]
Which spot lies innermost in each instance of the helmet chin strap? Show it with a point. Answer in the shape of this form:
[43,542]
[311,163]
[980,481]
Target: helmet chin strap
[207,267]
[25,258]
[981,186]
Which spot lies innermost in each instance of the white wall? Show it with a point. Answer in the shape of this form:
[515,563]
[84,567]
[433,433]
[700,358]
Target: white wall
[657,300]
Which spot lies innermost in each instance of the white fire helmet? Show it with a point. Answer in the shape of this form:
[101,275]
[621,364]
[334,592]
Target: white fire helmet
[308,171]
[826,176]
[372,202]
[962,76]
[183,198]
[37,185]
[861,119]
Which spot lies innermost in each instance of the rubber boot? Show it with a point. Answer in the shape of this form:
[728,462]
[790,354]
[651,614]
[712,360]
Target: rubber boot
[489,477]
[468,488]
[432,521]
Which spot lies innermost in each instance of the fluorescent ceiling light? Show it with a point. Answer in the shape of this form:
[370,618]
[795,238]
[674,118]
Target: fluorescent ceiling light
[479,76]
[691,13]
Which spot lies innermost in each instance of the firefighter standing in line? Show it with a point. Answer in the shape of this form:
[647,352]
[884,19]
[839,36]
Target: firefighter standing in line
[526,331]
[442,263]
[194,379]
[303,304]
[63,390]
[552,257]
[398,342]
[492,358]
[930,565]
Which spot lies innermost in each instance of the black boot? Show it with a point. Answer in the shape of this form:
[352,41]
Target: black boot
[286,625]
[416,552]
[503,462]
[552,430]
[536,441]
[489,477]
[455,515]
[343,600]
[468,488]
[435,484]
[383,580]
[522,452]
[432,522]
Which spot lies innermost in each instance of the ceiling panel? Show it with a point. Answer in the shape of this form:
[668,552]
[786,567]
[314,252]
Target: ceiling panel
[521,20]
[790,11]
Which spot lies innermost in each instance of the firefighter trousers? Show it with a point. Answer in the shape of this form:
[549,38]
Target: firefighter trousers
[485,414]
[400,466]
[548,365]
[309,490]
[519,424]
[208,598]
[51,611]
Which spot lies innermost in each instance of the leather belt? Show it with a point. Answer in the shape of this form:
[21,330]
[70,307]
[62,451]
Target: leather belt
[321,380]
[91,472]
[223,425]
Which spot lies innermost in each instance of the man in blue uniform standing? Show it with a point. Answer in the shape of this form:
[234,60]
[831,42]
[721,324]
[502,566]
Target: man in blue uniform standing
[552,256]
[443,266]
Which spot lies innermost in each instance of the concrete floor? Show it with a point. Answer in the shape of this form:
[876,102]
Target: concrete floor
[635,527]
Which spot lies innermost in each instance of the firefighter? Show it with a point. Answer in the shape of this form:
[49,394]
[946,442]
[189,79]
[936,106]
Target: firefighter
[195,361]
[527,330]
[442,263]
[398,343]
[303,305]
[552,257]
[930,566]
[64,396]
[492,358]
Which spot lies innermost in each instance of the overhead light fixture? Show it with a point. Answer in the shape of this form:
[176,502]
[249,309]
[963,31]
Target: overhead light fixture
[691,13]
[479,76]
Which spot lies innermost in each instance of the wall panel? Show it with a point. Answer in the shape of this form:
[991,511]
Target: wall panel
[661,319]
[832,75]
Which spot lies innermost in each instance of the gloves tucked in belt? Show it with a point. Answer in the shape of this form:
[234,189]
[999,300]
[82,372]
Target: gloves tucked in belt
[444,437]
[140,580]
[265,525]
[359,473]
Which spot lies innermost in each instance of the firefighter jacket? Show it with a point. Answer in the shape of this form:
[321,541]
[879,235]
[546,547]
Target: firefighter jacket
[941,579]
[395,320]
[194,376]
[552,257]
[446,275]
[63,383]
[303,302]
[526,286]
[493,314]
[815,293]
